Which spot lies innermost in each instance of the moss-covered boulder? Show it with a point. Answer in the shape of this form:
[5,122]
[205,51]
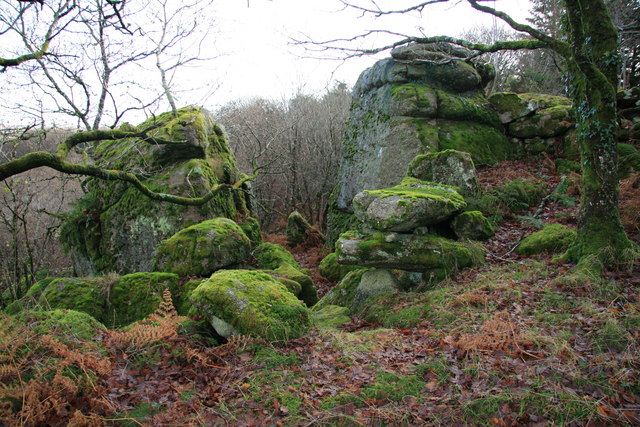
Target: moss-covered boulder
[552,238]
[411,252]
[472,225]
[283,266]
[331,269]
[410,205]
[203,248]
[86,294]
[450,167]
[134,296]
[545,123]
[115,228]
[251,303]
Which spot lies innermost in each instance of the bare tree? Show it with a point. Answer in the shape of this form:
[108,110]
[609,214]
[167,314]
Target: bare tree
[296,143]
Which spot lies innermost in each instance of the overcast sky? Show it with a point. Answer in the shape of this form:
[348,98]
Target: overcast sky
[259,60]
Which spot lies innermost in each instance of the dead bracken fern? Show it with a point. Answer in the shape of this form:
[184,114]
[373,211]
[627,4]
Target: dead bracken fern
[499,333]
[160,325]
[44,381]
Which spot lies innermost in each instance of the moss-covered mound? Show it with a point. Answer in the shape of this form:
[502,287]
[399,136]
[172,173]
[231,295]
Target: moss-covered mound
[203,248]
[251,303]
[552,238]
[411,252]
[411,204]
[115,228]
[87,294]
[282,265]
[521,193]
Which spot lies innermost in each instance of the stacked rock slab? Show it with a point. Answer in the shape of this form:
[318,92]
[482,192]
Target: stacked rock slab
[404,224]
[114,228]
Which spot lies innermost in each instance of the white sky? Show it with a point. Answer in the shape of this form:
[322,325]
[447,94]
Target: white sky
[259,60]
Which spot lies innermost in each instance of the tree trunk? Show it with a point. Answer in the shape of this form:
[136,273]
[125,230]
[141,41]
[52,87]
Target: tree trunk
[595,77]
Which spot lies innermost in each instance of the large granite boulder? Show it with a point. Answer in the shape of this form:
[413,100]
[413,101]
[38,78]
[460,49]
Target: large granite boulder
[405,207]
[251,303]
[115,228]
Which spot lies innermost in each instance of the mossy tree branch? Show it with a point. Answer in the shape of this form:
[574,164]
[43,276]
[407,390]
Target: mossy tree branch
[59,163]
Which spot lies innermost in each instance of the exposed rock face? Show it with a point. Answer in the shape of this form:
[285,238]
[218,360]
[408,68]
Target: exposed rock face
[424,98]
[115,228]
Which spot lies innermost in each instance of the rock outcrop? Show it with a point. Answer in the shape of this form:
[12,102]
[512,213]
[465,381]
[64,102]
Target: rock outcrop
[425,98]
[114,228]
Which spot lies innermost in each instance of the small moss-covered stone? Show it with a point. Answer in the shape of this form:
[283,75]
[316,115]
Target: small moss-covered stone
[410,205]
[137,295]
[372,283]
[203,248]
[552,238]
[88,295]
[448,167]
[280,262]
[334,271]
[252,303]
[472,225]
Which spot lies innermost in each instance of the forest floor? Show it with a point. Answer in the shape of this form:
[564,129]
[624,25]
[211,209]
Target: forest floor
[506,343]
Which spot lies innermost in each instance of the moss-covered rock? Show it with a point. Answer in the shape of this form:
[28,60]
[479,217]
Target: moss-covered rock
[410,205]
[183,305]
[251,228]
[115,228]
[448,167]
[251,303]
[372,283]
[334,271]
[472,225]
[88,295]
[137,295]
[422,253]
[552,238]
[203,248]
[283,265]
